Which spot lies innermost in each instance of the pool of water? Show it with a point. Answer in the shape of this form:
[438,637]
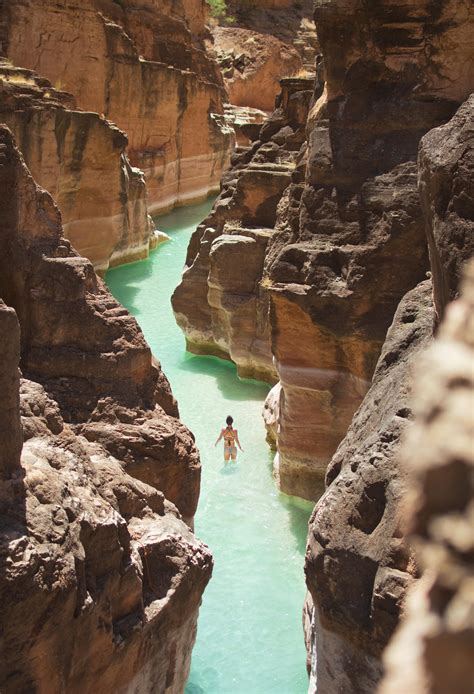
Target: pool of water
[250,637]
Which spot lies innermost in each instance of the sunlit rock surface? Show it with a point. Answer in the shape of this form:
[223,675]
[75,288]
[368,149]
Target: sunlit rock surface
[101,577]
[222,303]
[142,65]
[342,213]
[357,563]
[80,159]
[253,64]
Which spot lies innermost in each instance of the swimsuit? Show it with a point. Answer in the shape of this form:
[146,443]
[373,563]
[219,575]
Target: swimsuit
[229,442]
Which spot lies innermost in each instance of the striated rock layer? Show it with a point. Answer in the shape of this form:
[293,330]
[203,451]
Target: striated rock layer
[144,66]
[346,235]
[101,578]
[80,159]
[357,566]
[222,302]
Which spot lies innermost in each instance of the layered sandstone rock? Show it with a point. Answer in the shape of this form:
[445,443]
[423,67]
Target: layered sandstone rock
[432,651]
[86,350]
[253,65]
[222,302]
[291,22]
[357,563]
[339,271]
[357,566]
[144,66]
[348,239]
[80,159]
[101,578]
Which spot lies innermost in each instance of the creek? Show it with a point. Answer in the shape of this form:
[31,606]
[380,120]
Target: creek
[250,637]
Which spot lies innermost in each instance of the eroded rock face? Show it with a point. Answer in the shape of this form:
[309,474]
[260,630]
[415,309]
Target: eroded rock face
[144,66]
[222,303]
[346,232]
[432,650]
[357,244]
[446,165]
[80,159]
[10,428]
[100,576]
[80,343]
[289,21]
[357,563]
[253,65]
[358,568]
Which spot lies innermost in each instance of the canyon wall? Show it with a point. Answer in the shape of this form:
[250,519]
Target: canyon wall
[358,566]
[259,43]
[432,650]
[80,158]
[142,65]
[435,639]
[222,302]
[336,218]
[101,577]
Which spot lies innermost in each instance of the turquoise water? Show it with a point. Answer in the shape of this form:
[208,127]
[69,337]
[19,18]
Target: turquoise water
[250,637]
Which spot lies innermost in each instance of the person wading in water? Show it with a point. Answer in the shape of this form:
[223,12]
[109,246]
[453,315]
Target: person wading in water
[231,437]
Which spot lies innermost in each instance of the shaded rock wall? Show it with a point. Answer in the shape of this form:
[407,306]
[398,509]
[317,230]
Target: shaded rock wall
[357,563]
[100,577]
[358,567]
[340,268]
[446,164]
[144,66]
[432,649]
[10,428]
[80,159]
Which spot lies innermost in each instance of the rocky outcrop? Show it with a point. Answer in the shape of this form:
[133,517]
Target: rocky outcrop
[291,22]
[347,240]
[80,159]
[101,578]
[10,428]
[432,650]
[222,302]
[78,342]
[446,164]
[357,565]
[437,455]
[142,65]
[253,65]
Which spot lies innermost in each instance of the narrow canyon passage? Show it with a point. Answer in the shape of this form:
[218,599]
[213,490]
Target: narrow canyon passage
[250,636]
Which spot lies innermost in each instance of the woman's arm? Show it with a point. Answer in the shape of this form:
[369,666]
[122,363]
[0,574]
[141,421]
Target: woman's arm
[220,436]
[238,442]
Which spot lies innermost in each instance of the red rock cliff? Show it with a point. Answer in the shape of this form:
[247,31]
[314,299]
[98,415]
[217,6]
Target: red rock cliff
[101,579]
[80,159]
[142,65]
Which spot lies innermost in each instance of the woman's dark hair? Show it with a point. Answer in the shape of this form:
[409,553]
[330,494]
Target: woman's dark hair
[229,421]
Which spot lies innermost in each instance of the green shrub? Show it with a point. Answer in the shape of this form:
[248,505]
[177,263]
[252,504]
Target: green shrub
[218,8]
